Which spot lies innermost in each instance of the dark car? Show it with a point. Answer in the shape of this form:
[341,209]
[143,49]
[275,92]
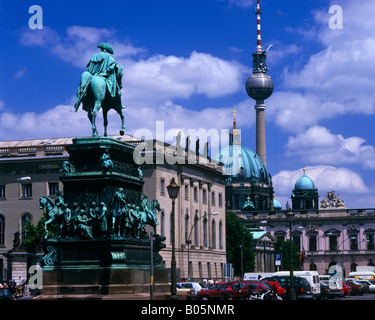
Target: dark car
[5,294]
[301,285]
[325,291]
[357,288]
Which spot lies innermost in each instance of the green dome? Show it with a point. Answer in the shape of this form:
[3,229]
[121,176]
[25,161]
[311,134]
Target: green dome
[276,204]
[304,183]
[242,163]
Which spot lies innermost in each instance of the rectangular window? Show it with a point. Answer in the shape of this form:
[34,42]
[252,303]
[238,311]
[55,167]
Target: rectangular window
[2,192]
[312,243]
[220,200]
[195,194]
[53,188]
[353,242]
[162,186]
[213,199]
[370,242]
[333,243]
[204,196]
[26,190]
[186,192]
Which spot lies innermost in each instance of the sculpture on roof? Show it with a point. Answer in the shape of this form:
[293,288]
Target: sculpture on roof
[332,200]
[100,87]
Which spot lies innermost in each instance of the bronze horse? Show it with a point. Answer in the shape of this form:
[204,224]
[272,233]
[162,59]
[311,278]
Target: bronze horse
[95,96]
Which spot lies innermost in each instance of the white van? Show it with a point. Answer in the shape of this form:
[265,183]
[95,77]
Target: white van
[255,276]
[311,276]
[362,275]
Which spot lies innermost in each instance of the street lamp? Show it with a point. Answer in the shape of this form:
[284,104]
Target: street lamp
[188,241]
[18,180]
[173,190]
[292,292]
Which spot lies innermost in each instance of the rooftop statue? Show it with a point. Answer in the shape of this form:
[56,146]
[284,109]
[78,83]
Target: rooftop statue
[100,87]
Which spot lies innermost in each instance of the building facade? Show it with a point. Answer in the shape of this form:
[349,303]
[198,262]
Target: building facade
[30,169]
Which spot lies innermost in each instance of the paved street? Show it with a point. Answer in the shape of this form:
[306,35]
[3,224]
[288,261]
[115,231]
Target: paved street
[367,296]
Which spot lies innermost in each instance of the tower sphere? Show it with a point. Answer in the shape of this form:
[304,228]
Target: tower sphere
[259,86]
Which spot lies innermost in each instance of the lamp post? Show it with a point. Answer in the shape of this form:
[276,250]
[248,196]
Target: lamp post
[292,292]
[188,241]
[173,190]
[18,180]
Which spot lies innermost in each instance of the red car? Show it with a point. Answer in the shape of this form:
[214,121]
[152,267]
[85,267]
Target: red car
[228,290]
[346,288]
[254,287]
[281,291]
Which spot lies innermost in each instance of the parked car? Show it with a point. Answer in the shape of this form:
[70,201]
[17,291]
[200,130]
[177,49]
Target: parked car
[5,294]
[228,290]
[370,283]
[301,285]
[347,289]
[336,289]
[325,291]
[281,291]
[194,288]
[254,287]
[357,288]
[214,285]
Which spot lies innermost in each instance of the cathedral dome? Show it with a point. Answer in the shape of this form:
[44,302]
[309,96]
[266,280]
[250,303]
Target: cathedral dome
[241,163]
[304,183]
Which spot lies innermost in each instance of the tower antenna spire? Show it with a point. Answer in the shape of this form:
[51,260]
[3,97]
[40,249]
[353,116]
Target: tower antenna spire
[259,38]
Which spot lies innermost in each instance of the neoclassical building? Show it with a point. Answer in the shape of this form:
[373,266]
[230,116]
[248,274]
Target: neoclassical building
[327,235]
[30,169]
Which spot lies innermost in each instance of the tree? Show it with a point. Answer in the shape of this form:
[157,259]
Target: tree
[236,236]
[33,241]
[283,247]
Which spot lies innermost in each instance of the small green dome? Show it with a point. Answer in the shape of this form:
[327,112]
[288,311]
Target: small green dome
[276,204]
[304,183]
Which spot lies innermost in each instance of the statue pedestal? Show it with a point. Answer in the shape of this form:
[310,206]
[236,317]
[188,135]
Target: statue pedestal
[100,266]
[95,256]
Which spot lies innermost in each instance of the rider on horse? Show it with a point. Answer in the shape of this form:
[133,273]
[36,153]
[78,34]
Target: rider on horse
[103,65]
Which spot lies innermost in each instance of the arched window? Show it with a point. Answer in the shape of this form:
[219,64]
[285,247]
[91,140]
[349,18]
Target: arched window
[24,219]
[213,234]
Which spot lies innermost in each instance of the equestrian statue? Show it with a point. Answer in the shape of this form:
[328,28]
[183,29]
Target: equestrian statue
[100,87]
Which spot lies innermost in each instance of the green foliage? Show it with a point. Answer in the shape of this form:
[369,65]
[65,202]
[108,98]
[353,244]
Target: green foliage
[33,242]
[235,234]
[283,247]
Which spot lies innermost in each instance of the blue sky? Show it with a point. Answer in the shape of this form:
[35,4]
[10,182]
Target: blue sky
[186,62]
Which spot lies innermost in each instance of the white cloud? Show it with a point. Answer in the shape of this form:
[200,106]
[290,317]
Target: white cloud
[60,121]
[326,178]
[161,78]
[319,145]
[79,43]
[337,80]
[153,80]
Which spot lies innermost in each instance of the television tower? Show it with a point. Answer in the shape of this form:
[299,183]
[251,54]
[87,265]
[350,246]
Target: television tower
[259,86]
